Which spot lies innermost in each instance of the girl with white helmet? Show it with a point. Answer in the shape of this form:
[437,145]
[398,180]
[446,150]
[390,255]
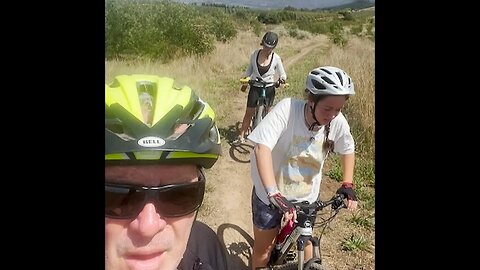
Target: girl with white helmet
[291,145]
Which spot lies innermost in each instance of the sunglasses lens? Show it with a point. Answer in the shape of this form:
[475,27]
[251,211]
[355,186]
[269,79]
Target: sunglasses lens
[173,201]
[123,202]
[181,200]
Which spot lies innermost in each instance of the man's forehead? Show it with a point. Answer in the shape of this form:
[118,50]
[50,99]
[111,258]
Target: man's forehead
[150,170]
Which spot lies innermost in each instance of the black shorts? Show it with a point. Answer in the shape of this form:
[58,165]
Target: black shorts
[254,93]
[263,216]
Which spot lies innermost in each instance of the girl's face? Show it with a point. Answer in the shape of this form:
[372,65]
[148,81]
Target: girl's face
[328,108]
[268,49]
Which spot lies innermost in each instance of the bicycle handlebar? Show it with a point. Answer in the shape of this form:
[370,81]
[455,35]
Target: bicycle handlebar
[250,81]
[336,201]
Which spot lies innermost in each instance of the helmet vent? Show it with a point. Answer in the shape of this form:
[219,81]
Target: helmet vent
[146,91]
[147,86]
[326,70]
[318,85]
[197,109]
[213,135]
[314,72]
[115,128]
[328,80]
[339,77]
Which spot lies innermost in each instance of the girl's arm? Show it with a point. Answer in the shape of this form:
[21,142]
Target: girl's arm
[348,163]
[281,69]
[265,170]
[263,155]
[251,62]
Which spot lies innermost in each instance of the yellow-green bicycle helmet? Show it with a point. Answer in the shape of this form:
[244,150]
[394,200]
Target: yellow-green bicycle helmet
[149,119]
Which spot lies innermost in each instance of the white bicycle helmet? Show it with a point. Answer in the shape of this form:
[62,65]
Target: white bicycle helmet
[329,80]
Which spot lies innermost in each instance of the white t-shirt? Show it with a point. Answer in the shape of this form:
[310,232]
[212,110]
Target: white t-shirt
[297,158]
[268,77]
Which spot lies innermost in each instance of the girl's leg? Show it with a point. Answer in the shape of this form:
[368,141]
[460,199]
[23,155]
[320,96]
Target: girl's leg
[266,224]
[247,118]
[263,246]
[308,251]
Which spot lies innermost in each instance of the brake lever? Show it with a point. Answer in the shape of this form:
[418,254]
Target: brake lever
[339,202]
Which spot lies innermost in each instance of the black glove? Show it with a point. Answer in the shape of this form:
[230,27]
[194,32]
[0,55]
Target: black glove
[347,190]
[281,203]
[280,81]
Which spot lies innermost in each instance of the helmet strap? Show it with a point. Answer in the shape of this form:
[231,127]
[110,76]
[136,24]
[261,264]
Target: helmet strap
[312,111]
[327,144]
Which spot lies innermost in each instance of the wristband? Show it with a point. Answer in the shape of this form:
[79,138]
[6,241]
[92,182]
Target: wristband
[348,185]
[271,190]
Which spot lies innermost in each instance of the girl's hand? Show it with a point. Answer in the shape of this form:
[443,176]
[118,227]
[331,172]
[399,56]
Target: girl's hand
[347,190]
[290,215]
[284,205]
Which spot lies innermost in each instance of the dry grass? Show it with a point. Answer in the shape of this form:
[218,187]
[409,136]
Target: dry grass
[212,76]
[357,59]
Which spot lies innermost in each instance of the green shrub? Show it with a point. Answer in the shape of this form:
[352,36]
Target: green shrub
[222,27]
[354,243]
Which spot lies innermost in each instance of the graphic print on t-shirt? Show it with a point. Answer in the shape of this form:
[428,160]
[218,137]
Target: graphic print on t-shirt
[299,171]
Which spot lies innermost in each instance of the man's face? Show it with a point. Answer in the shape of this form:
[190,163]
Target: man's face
[148,240]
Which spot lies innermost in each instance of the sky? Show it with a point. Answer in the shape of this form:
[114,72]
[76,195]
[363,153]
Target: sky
[272,4]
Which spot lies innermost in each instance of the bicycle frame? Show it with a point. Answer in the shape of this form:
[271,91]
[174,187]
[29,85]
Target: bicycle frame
[261,109]
[303,232]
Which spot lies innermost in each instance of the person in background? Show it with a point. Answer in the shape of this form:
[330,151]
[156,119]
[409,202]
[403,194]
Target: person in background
[290,147]
[159,138]
[264,63]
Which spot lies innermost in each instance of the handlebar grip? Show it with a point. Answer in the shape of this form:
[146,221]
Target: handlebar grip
[245,80]
[338,201]
[279,82]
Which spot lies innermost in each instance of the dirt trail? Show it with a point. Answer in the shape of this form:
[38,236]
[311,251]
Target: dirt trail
[291,60]
[228,211]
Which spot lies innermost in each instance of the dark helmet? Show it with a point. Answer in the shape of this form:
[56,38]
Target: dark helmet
[149,119]
[270,39]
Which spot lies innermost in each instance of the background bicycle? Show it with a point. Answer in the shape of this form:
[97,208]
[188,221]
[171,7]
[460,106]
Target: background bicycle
[262,107]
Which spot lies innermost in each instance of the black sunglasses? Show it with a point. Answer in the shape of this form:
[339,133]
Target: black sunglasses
[173,200]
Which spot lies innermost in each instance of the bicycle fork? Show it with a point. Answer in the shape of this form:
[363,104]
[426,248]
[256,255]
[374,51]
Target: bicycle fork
[302,236]
[301,243]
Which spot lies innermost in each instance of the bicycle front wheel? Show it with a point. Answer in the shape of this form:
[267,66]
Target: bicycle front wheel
[294,266]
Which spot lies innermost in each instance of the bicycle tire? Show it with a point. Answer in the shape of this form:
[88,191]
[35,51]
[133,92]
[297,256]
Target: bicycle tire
[294,266]
[238,244]
[259,114]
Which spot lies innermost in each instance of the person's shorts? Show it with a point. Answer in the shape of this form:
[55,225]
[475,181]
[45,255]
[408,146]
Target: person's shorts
[254,94]
[263,216]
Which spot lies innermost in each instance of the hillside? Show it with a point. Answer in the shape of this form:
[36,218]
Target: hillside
[279,4]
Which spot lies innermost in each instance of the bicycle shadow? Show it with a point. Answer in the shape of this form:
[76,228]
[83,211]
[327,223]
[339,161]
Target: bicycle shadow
[240,152]
[239,246]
